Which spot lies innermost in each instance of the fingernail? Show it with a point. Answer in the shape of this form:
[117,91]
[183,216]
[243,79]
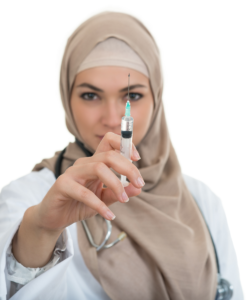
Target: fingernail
[125,197]
[140,182]
[110,215]
[136,154]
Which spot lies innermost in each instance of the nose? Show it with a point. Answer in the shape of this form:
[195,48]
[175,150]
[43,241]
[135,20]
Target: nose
[112,114]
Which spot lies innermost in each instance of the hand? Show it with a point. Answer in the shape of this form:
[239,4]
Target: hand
[78,194]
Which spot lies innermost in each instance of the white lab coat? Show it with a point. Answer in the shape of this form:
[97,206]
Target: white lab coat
[70,279]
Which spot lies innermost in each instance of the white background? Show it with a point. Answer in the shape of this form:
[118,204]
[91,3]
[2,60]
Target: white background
[205,48]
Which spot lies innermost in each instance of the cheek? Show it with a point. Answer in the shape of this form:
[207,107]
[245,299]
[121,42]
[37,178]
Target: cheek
[142,115]
[83,115]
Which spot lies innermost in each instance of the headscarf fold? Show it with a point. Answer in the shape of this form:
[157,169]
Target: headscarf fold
[113,52]
[168,253]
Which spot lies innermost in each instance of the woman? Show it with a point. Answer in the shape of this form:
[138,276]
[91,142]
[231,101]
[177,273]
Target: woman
[168,252]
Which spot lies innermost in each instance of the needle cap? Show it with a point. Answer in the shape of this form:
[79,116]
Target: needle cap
[127,111]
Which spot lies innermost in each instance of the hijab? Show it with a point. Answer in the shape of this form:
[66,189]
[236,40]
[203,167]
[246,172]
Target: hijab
[168,252]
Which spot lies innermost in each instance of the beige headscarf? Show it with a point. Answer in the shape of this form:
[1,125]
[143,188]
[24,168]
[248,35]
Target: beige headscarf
[113,52]
[168,253]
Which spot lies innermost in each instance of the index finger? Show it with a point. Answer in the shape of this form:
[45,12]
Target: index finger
[112,141]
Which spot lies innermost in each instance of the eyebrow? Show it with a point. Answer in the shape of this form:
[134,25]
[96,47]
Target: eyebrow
[92,87]
[132,87]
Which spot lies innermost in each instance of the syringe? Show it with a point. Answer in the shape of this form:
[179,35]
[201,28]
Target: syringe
[126,135]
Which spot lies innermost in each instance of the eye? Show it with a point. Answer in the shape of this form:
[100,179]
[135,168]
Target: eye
[89,96]
[134,96]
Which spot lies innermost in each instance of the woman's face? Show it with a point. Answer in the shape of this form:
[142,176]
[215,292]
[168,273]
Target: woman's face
[98,101]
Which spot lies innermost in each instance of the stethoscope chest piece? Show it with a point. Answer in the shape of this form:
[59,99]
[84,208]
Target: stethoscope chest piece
[224,290]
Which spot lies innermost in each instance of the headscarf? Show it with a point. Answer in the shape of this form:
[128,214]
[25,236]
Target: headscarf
[113,52]
[168,253]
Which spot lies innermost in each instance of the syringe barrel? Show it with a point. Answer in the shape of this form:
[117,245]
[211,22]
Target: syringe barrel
[126,136]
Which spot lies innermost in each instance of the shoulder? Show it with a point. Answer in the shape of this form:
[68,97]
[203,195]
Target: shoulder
[43,177]
[211,209]
[24,192]
[215,217]
[41,180]
[208,202]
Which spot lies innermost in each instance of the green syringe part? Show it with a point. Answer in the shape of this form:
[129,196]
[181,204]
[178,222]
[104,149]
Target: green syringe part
[127,111]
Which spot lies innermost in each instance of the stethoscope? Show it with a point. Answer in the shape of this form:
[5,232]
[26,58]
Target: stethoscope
[103,245]
[224,288]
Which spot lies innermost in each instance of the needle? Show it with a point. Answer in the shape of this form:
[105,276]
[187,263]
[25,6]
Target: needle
[128,85]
